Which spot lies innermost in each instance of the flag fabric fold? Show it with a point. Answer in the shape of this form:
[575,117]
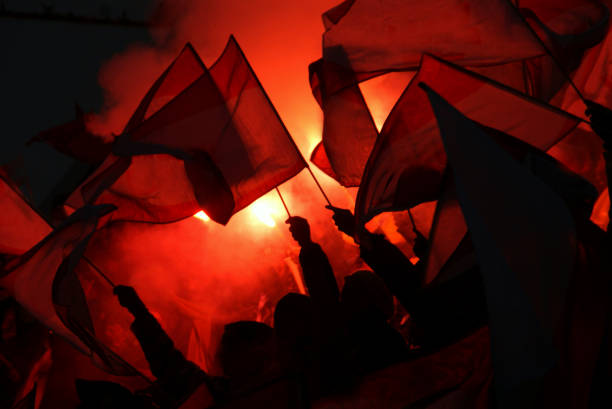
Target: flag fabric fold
[75,140]
[182,72]
[45,282]
[407,162]
[392,34]
[216,146]
[469,37]
[349,132]
[525,240]
[30,278]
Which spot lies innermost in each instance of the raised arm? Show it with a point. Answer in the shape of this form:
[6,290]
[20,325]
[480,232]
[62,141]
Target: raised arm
[399,274]
[177,376]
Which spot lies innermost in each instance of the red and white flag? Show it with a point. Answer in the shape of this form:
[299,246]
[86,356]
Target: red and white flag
[217,146]
[408,159]
[526,243]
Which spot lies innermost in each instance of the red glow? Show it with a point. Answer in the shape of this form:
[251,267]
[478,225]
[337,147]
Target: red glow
[197,274]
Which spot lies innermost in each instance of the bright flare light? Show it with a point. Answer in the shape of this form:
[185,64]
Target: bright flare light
[263,212]
[202,216]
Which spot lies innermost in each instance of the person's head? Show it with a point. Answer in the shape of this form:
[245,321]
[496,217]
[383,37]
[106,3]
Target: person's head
[246,349]
[293,316]
[293,326]
[366,293]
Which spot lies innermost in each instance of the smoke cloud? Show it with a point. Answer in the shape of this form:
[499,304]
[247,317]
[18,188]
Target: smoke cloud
[195,275]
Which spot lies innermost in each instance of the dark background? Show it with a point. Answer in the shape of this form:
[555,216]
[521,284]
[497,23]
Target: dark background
[51,54]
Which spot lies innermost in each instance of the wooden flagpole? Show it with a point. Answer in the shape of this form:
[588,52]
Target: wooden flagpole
[283,202]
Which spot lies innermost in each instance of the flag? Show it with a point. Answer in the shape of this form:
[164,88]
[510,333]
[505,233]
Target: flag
[75,140]
[182,72]
[44,281]
[349,131]
[525,240]
[35,383]
[392,35]
[21,228]
[582,150]
[356,54]
[217,146]
[30,278]
[448,231]
[272,154]
[407,162]
[28,401]
[568,29]
[319,158]
[449,252]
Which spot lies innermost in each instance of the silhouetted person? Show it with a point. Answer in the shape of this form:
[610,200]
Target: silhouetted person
[316,269]
[247,355]
[329,330]
[441,313]
[297,344]
[177,378]
[332,330]
[367,305]
[294,326]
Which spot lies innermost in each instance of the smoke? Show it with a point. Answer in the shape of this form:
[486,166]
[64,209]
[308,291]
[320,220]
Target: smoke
[279,38]
[194,275]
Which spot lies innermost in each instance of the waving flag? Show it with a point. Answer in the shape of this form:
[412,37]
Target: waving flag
[45,282]
[182,72]
[30,278]
[349,131]
[525,241]
[569,29]
[392,35]
[217,146]
[369,38]
[408,159]
[75,140]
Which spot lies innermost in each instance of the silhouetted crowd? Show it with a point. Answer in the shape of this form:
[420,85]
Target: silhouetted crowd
[324,343]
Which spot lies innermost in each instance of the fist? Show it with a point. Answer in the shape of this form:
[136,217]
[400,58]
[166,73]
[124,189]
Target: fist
[300,230]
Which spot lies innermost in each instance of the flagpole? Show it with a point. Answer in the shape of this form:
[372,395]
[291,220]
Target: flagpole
[547,50]
[319,185]
[104,276]
[279,118]
[414,228]
[100,273]
[283,202]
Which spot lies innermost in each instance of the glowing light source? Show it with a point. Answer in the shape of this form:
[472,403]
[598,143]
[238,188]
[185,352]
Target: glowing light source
[202,216]
[263,212]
